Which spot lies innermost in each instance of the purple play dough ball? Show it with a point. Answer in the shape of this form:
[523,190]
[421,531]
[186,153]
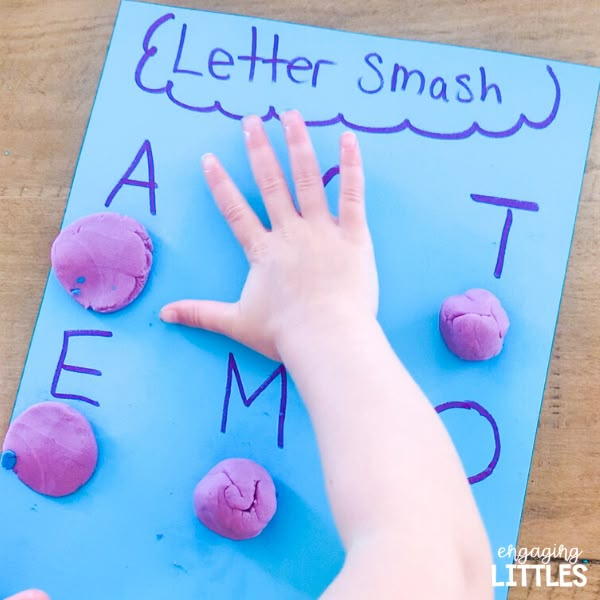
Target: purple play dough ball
[235,499]
[473,324]
[55,447]
[103,260]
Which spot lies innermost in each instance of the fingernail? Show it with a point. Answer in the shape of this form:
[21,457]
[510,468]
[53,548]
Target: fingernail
[289,118]
[250,125]
[348,140]
[168,315]
[209,161]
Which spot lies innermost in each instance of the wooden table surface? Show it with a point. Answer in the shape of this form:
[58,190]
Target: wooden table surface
[51,54]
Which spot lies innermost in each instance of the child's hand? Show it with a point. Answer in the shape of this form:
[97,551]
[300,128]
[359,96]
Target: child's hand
[30,595]
[310,269]
[395,482]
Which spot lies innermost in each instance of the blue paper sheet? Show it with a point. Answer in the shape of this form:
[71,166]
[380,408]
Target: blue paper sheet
[474,162]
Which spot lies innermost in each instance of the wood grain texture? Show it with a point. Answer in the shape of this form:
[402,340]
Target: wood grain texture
[545,592]
[51,55]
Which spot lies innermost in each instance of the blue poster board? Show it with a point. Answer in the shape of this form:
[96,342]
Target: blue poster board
[474,162]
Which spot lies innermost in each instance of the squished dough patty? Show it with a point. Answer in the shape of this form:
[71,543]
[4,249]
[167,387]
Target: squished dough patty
[55,447]
[103,260]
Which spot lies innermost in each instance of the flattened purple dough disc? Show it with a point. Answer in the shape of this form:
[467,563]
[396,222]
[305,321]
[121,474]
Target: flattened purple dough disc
[473,324]
[236,499]
[103,260]
[55,447]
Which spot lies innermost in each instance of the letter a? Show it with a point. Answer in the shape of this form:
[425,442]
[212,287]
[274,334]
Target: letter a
[151,184]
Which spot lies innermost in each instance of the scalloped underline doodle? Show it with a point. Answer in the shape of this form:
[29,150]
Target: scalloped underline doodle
[405,125]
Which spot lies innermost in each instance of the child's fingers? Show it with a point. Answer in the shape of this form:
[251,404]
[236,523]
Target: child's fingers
[30,595]
[267,172]
[352,185]
[220,317]
[243,221]
[305,168]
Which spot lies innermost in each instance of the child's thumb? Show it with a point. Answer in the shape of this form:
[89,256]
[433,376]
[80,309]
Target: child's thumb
[219,317]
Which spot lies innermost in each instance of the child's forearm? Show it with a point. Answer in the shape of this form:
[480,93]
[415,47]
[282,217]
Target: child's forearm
[387,458]
[396,486]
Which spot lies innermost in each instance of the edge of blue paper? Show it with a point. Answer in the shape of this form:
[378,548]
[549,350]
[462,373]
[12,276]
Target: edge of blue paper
[12,415]
[352,32]
[566,270]
[596,69]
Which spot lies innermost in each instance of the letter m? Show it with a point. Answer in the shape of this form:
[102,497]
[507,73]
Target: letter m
[233,371]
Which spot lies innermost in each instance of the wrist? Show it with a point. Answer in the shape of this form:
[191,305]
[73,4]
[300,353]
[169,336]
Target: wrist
[323,327]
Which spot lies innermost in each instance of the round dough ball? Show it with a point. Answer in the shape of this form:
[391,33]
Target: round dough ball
[236,499]
[54,446]
[103,260]
[473,324]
